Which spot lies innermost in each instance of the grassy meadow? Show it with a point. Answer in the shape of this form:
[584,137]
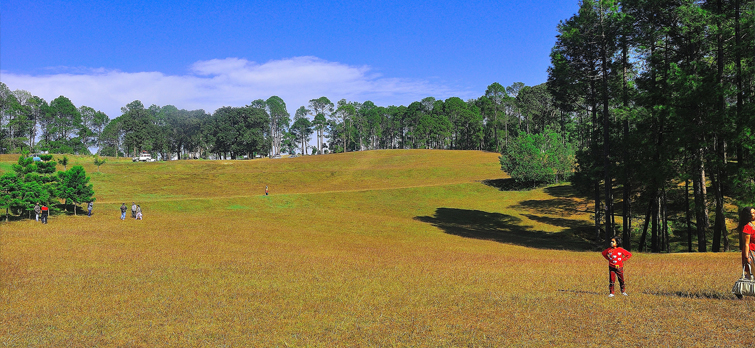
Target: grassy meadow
[394,248]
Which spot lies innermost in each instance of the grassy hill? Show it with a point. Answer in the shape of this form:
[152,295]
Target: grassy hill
[377,248]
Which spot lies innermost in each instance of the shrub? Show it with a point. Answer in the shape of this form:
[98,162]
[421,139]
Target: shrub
[538,158]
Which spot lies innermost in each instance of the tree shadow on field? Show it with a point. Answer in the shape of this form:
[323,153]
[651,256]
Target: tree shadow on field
[564,191]
[555,206]
[509,184]
[505,229]
[566,200]
[573,226]
[694,295]
[580,292]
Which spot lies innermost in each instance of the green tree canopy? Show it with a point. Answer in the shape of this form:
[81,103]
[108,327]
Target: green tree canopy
[538,158]
[74,186]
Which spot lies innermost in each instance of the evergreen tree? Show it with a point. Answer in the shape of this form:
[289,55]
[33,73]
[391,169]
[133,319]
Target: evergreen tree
[74,187]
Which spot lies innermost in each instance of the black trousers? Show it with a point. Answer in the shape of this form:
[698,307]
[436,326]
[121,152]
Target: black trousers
[613,273]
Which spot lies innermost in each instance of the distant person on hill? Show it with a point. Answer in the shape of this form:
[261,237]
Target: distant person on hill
[133,210]
[266,191]
[138,212]
[37,210]
[45,212]
[123,211]
[616,255]
[746,229]
[90,206]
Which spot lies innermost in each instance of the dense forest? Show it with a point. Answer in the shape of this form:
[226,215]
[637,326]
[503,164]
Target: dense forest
[664,93]
[655,97]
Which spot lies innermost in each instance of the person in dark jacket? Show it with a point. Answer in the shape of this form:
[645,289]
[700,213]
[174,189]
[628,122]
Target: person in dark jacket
[123,211]
[45,212]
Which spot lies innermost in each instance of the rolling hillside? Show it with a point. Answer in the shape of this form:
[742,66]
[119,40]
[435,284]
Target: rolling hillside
[376,248]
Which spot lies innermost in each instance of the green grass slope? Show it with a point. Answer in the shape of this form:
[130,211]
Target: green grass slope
[376,248]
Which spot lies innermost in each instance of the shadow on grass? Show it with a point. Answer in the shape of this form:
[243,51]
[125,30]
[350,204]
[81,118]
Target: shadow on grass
[693,295]
[506,229]
[563,191]
[566,201]
[509,184]
[11,218]
[578,227]
[581,292]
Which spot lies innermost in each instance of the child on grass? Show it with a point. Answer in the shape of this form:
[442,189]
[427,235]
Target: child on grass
[616,255]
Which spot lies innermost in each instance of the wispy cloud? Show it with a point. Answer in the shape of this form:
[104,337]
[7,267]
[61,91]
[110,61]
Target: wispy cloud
[214,83]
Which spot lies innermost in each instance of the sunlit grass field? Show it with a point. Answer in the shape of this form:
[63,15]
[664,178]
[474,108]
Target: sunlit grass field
[371,249]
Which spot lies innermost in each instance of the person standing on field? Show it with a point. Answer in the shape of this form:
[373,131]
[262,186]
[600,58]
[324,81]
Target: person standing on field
[133,210]
[138,212]
[616,255]
[266,190]
[746,229]
[37,210]
[123,211]
[90,206]
[45,212]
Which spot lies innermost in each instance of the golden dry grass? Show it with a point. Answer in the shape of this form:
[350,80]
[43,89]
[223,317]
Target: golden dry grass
[379,248]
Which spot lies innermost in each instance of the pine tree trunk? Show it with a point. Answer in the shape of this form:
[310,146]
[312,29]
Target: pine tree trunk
[597,210]
[654,225]
[716,245]
[627,204]
[720,108]
[645,227]
[719,226]
[664,214]
[701,207]
[607,178]
[738,77]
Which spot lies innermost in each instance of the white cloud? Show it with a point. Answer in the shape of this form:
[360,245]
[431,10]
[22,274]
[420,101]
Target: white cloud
[215,83]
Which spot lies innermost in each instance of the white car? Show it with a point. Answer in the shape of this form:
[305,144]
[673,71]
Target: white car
[143,157]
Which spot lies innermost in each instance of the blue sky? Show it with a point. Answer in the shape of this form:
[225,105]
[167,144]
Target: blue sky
[202,54]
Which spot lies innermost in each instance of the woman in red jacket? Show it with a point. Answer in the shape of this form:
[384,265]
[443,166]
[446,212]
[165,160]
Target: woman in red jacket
[616,255]
[45,213]
[746,231]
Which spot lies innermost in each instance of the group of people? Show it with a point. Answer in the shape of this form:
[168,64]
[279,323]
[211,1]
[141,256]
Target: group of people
[616,255]
[136,211]
[42,211]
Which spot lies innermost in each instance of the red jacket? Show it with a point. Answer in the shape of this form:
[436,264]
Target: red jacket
[616,256]
[751,231]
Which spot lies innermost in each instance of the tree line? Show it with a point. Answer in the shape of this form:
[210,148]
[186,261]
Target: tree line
[664,94]
[265,127]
